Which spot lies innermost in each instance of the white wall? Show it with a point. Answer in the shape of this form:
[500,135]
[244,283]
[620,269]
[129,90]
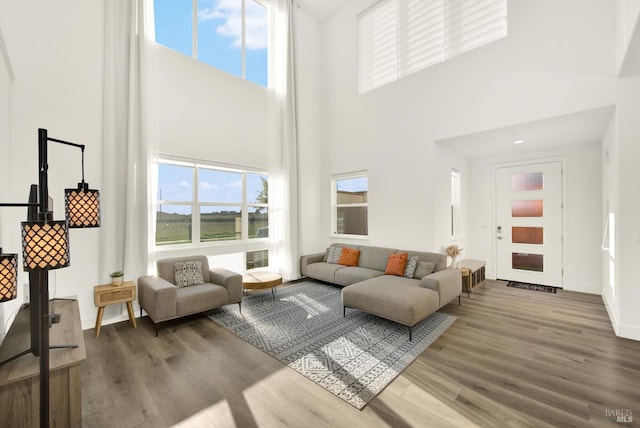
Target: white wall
[57,56]
[582,213]
[628,209]
[206,113]
[558,59]
[313,186]
[610,197]
[8,239]
[621,176]
[627,36]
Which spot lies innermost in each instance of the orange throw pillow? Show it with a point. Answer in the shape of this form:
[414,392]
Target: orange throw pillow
[396,264]
[349,257]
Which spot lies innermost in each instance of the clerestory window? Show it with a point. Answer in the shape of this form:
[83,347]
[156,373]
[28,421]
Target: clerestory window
[400,37]
[231,35]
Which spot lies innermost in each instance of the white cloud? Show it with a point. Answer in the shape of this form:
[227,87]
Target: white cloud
[235,184]
[230,14]
[185,184]
[209,186]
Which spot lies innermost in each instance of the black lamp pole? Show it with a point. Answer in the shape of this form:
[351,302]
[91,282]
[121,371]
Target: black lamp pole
[41,276]
[42,281]
[84,207]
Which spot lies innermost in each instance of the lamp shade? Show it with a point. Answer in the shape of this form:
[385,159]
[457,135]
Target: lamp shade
[45,245]
[82,206]
[8,276]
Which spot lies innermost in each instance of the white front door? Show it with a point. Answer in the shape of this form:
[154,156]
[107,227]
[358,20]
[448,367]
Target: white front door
[529,223]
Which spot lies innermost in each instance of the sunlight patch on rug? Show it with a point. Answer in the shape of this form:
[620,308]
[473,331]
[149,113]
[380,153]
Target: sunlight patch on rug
[353,357]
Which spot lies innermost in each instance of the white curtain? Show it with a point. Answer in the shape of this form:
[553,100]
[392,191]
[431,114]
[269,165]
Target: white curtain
[283,159]
[127,187]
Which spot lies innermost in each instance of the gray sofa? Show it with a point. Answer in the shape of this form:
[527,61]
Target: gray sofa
[163,301]
[401,299]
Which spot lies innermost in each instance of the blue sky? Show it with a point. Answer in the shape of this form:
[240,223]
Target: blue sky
[219,33]
[175,183]
[358,184]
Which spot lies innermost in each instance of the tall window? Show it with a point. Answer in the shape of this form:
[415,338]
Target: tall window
[231,35]
[455,203]
[229,205]
[351,204]
[174,218]
[400,37]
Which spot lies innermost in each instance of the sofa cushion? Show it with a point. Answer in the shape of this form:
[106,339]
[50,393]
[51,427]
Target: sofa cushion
[410,267]
[200,298]
[440,260]
[396,264]
[423,269]
[396,298]
[374,257]
[187,274]
[352,275]
[324,271]
[166,267]
[334,255]
[349,257]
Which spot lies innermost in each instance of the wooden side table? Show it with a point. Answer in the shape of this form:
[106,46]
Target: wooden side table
[466,282]
[475,276]
[261,281]
[109,294]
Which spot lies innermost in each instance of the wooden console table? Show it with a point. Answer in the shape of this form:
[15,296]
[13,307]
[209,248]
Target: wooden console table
[19,379]
[474,275]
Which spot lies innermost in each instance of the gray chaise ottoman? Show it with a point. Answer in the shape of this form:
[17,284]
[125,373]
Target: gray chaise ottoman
[395,298]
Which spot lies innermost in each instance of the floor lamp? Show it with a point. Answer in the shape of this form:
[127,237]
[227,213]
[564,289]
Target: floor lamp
[45,246]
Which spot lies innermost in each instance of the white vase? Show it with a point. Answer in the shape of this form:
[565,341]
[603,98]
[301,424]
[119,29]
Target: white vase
[454,262]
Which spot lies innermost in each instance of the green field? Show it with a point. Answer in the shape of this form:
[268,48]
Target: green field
[224,226]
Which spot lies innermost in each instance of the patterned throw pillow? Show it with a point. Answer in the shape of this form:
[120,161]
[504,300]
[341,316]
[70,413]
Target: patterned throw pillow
[188,274]
[334,255]
[349,257]
[423,269]
[396,264]
[410,268]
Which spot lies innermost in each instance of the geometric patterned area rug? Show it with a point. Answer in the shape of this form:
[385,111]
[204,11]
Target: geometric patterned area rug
[534,287]
[353,357]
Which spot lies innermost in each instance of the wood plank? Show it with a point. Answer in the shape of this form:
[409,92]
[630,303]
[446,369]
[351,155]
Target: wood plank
[512,358]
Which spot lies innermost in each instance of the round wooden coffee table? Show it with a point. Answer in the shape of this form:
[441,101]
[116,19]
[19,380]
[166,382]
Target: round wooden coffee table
[261,281]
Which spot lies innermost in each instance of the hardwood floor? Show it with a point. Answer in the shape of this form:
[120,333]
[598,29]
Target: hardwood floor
[513,358]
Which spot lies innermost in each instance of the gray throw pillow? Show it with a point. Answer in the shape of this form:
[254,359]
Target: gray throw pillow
[188,274]
[423,269]
[334,254]
[410,267]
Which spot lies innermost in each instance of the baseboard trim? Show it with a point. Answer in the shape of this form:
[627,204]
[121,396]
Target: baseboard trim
[90,322]
[621,330]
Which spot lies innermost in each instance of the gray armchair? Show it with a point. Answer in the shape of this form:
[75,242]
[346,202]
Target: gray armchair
[164,301]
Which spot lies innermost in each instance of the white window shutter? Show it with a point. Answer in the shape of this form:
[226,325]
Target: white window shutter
[473,23]
[378,45]
[420,35]
[400,37]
